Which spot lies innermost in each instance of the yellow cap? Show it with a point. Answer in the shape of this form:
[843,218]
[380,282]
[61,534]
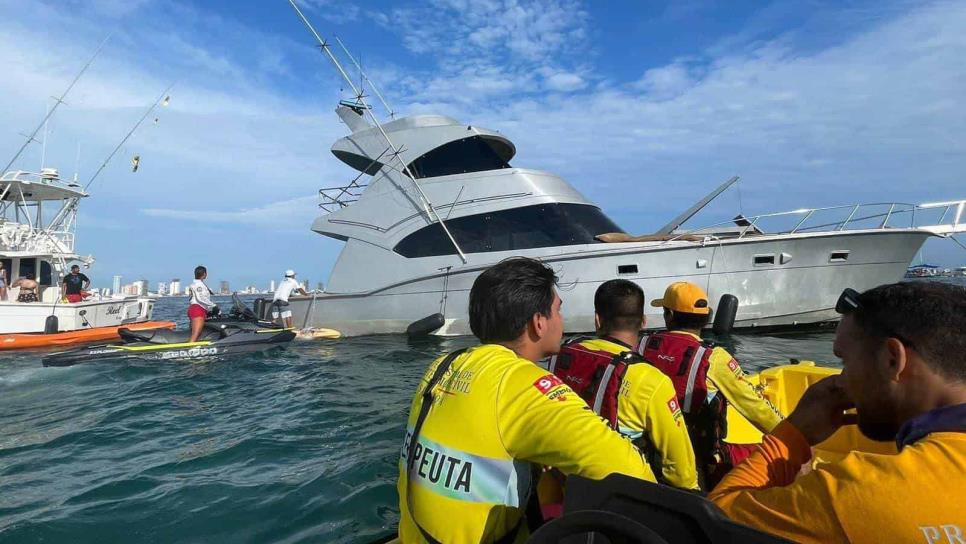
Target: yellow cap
[685,297]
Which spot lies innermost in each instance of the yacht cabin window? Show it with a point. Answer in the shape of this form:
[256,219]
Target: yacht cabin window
[472,154]
[542,225]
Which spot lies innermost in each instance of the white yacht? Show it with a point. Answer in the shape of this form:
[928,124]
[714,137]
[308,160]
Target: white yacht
[37,223]
[437,201]
[400,264]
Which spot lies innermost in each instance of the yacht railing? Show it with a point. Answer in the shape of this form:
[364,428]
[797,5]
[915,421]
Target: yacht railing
[850,217]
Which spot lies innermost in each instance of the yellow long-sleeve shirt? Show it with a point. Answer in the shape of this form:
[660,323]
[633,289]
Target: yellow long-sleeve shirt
[494,415]
[647,409]
[726,375]
[917,495]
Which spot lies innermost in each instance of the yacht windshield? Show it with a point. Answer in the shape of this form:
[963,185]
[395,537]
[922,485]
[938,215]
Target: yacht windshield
[542,225]
[472,154]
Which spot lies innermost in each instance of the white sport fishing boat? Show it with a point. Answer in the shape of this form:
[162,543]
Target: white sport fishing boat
[37,222]
[437,201]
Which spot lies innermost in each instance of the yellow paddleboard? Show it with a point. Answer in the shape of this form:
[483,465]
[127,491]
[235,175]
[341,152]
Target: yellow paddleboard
[784,385]
[318,334]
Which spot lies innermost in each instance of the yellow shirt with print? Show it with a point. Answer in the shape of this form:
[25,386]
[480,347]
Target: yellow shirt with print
[647,410]
[725,375]
[495,415]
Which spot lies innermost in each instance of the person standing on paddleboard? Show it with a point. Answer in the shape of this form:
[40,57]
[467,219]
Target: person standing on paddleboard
[199,302]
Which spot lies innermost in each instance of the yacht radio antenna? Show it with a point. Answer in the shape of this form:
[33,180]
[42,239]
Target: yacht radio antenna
[57,102]
[427,205]
[392,114]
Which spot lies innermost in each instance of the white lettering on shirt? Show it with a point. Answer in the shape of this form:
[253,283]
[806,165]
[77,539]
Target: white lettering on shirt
[953,534]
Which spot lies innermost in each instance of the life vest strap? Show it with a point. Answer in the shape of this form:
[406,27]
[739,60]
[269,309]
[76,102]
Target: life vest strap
[692,375]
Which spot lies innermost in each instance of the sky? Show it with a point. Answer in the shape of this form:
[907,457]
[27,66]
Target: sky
[643,106]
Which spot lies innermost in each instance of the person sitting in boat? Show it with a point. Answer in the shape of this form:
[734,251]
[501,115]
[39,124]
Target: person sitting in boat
[485,418]
[707,378]
[28,288]
[3,282]
[280,299]
[902,348]
[200,304]
[75,285]
[635,397]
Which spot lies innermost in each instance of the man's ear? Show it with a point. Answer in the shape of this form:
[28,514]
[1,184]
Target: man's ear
[896,358]
[643,322]
[538,326]
[596,321]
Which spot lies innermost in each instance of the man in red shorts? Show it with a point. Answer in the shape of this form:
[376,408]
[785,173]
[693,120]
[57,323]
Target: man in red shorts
[75,285]
[199,302]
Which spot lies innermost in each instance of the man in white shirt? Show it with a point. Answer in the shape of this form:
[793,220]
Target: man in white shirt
[199,302]
[280,301]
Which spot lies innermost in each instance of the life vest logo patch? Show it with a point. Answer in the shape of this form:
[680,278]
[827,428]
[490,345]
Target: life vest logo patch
[675,409]
[547,383]
[733,365]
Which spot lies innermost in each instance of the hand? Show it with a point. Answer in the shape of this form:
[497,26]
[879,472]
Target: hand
[821,411]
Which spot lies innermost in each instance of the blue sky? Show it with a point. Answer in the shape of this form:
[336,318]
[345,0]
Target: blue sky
[643,106]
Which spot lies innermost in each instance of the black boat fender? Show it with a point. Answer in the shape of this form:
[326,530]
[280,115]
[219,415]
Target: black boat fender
[425,326]
[725,313]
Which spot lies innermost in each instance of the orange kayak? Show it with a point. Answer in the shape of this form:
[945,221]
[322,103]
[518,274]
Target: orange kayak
[84,336]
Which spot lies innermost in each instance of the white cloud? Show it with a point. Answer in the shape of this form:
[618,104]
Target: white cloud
[564,82]
[294,214]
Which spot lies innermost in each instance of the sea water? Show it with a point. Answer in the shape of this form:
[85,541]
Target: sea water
[296,445]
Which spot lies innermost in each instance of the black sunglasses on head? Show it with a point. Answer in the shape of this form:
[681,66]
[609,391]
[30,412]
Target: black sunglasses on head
[848,303]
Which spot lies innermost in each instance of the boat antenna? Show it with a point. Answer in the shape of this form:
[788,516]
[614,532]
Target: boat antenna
[427,205]
[57,102]
[163,97]
[392,114]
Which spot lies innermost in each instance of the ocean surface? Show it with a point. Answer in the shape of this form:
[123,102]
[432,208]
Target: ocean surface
[297,445]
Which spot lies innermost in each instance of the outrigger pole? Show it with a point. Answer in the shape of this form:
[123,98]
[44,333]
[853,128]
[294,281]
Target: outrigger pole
[392,114]
[163,96]
[427,205]
[58,102]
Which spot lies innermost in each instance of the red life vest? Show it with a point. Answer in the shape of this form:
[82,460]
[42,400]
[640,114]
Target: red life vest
[595,375]
[685,360]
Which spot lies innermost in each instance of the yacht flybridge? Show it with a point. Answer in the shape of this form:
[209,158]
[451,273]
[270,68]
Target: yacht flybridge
[37,221]
[437,201]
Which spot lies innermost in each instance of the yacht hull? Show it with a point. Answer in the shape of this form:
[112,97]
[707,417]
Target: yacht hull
[799,287]
[26,317]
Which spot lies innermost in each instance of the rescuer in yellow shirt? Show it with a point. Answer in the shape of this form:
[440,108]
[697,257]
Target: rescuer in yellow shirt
[484,420]
[903,351]
[643,398]
[706,378]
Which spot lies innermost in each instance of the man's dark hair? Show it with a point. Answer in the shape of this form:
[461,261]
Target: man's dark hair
[927,316]
[29,276]
[620,305]
[75,267]
[686,320]
[200,271]
[506,295]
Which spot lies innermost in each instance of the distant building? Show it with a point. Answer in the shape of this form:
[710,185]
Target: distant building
[117,284]
[305,284]
[271,286]
[187,291]
[174,289]
[140,288]
[225,288]
[320,287]
[162,288]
